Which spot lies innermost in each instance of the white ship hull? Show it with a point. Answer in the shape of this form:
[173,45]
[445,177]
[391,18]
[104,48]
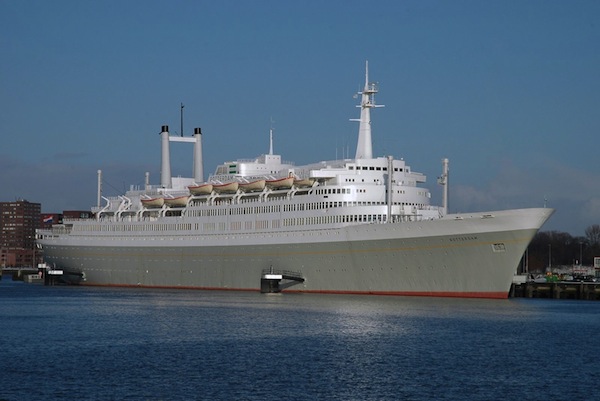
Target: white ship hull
[361,225]
[474,255]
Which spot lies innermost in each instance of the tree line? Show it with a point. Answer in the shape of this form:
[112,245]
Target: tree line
[555,248]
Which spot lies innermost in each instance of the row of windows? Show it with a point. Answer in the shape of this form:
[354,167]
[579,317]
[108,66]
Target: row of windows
[255,210]
[209,212]
[360,218]
[138,227]
[372,168]
[331,191]
[271,209]
[252,210]
[235,225]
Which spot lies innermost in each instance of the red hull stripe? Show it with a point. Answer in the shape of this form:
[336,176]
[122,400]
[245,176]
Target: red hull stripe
[445,294]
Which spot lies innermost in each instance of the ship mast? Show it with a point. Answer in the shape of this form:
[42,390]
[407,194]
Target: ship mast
[364,147]
[443,180]
[181,118]
[271,138]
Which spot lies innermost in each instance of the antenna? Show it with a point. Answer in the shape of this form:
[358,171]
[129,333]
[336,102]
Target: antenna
[181,116]
[271,137]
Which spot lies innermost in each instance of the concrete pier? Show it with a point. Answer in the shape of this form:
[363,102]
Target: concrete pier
[557,290]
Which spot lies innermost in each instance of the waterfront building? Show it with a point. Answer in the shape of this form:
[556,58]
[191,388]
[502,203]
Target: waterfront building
[18,222]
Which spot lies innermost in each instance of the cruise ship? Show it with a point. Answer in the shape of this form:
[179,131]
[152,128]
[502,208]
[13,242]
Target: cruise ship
[354,226]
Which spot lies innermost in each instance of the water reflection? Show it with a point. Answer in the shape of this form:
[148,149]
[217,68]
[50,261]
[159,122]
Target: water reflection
[132,343]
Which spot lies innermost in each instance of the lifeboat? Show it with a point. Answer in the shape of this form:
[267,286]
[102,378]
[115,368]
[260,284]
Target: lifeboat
[229,187]
[304,183]
[202,189]
[178,201]
[153,202]
[281,183]
[257,185]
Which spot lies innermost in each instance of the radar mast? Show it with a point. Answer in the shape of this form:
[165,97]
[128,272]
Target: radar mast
[364,147]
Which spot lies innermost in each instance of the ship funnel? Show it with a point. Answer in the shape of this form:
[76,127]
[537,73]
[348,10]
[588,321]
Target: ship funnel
[165,170]
[198,167]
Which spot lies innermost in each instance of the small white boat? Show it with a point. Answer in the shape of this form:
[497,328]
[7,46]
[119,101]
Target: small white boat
[153,202]
[229,187]
[178,201]
[281,183]
[257,185]
[202,189]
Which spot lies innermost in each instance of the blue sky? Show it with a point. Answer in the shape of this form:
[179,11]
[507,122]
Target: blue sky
[509,91]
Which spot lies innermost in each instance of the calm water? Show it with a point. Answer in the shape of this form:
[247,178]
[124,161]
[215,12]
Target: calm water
[79,343]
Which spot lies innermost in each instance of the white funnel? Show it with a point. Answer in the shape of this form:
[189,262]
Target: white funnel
[165,171]
[198,168]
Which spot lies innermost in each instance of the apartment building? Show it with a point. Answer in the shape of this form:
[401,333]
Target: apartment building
[18,221]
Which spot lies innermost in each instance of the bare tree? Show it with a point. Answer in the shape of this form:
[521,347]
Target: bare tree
[593,234]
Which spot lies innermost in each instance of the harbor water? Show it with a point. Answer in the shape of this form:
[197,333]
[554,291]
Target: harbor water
[90,343]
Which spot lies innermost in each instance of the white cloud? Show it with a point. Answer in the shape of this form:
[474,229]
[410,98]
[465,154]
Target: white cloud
[574,193]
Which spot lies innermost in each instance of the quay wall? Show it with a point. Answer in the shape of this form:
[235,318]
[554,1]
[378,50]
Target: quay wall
[557,290]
